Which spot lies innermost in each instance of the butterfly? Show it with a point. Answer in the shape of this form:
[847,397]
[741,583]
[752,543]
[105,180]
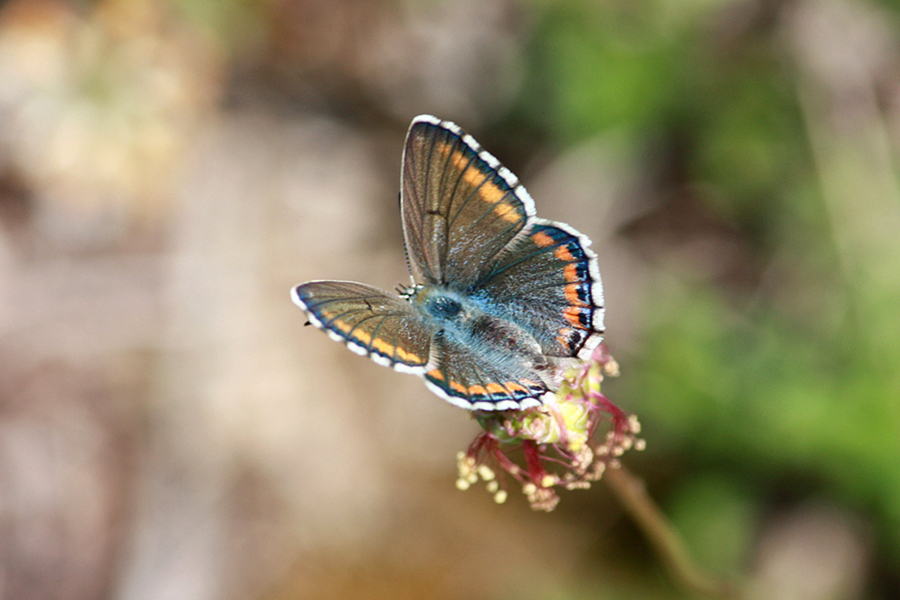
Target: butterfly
[499,297]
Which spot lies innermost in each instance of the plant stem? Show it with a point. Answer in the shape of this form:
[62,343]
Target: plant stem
[662,536]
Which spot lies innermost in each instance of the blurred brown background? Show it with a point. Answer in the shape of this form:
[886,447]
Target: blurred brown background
[169,169]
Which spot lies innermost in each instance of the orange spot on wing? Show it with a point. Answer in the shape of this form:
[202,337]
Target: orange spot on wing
[490,192]
[457,159]
[436,374]
[570,272]
[542,239]
[458,387]
[342,326]
[572,295]
[390,350]
[508,212]
[565,334]
[477,390]
[362,336]
[473,176]
[409,357]
[573,316]
[563,253]
[514,386]
[470,174]
[495,388]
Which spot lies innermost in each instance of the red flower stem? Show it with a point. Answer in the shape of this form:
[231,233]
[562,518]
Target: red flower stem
[506,464]
[533,461]
[665,540]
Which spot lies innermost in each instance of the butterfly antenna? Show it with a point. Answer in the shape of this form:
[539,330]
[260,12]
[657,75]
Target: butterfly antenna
[405,249]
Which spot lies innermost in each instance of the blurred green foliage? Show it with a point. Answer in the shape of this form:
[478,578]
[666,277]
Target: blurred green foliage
[785,374]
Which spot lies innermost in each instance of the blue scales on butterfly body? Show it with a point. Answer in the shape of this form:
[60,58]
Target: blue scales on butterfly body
[499,296]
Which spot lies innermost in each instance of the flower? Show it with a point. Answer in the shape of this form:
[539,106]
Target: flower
[555,439]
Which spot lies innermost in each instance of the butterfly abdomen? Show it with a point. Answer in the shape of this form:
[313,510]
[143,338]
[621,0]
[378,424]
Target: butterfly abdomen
[507,336]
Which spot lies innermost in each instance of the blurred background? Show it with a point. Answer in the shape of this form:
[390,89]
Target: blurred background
[170,168]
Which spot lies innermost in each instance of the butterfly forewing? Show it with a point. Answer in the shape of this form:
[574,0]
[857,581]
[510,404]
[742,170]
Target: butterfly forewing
[371,322]
[460,207]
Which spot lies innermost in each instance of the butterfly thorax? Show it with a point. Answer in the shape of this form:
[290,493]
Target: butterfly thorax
[470,321]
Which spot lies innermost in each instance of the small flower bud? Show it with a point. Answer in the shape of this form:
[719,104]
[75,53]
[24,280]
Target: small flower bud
[486,473]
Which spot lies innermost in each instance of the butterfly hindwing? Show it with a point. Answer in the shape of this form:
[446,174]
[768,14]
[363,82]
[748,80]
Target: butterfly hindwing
[473,381]
[371,322]
[460,207]
[393,332]
[548,283]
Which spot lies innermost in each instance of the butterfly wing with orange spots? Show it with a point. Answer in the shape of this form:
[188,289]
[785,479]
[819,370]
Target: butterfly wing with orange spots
[460,207]
[549,285]
[372,323]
